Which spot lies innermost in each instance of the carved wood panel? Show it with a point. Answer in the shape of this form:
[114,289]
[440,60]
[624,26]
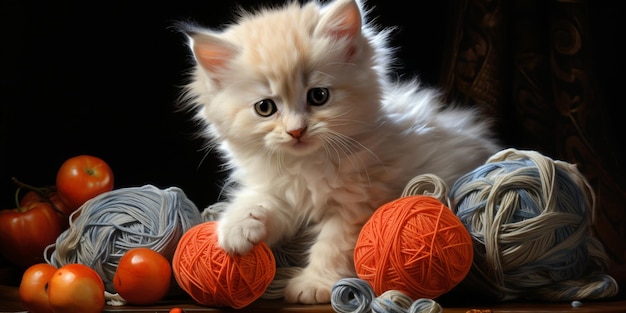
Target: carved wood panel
[531,64]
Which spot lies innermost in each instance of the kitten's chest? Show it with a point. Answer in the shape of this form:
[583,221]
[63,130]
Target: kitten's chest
[309,189]
[312,187]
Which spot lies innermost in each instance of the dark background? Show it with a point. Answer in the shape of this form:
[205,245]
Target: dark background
[102,78]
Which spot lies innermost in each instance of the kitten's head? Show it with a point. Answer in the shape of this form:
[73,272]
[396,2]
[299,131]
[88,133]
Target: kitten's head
[290,80]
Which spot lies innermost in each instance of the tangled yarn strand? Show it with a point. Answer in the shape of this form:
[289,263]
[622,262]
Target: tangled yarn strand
[427,185]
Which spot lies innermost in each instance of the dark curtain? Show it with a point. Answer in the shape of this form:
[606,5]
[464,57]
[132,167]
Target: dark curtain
[549,72]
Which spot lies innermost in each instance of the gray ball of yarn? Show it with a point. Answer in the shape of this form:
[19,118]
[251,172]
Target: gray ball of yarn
[110,224]
[530,219]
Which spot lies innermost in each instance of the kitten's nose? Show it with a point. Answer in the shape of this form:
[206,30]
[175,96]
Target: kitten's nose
[297,133]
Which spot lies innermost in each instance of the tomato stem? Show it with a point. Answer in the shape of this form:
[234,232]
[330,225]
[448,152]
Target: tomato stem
[41,191]
[17,199]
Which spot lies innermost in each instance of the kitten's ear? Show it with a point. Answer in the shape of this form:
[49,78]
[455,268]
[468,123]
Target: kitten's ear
[211,52]
[341,18]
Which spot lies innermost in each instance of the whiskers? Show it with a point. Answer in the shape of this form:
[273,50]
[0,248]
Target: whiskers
[275,159]
[340,147]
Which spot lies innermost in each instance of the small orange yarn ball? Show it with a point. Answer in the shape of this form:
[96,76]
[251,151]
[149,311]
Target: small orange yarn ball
[415,245]
[212,277]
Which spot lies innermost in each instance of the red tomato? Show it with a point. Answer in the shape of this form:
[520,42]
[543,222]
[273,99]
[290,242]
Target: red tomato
[142,276]
[29,197]
[25,232]
[76,288]
[32,291]
[53,197]
[81,178]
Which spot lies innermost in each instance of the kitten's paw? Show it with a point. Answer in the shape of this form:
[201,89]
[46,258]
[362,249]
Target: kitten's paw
[238,235]
[307,288]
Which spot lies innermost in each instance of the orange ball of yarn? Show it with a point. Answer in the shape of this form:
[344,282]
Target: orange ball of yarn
[213,277]
[415,245]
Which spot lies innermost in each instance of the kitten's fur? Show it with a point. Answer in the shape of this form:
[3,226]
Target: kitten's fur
[340,138]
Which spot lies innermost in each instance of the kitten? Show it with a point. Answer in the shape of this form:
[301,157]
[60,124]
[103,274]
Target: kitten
[299,101]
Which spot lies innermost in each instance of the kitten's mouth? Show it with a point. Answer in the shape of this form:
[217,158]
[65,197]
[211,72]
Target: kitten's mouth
[299,143]
[300,146]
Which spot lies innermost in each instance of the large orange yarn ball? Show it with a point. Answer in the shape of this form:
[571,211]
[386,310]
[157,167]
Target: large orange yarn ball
[212,277]
[415,245]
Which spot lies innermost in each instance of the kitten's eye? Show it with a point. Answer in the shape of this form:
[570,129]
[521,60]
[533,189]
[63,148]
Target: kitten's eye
[265,107]
[317,96]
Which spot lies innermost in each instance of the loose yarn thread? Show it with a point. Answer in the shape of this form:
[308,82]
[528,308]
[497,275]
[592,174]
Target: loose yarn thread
[427,185]
[213,277]
[355,295]
[529,217]
[110,224]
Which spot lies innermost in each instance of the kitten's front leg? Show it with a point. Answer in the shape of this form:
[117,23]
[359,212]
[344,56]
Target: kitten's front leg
[242,227]
[331,258]
[251,217]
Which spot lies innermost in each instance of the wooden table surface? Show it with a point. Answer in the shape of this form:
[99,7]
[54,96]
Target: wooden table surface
[9,302]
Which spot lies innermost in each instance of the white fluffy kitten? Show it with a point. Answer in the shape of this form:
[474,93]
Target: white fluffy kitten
[300,103]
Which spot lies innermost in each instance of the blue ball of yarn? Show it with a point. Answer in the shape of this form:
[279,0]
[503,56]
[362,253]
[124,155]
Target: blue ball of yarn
[355,295]
[530,220]
[114,222]
[351,295]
